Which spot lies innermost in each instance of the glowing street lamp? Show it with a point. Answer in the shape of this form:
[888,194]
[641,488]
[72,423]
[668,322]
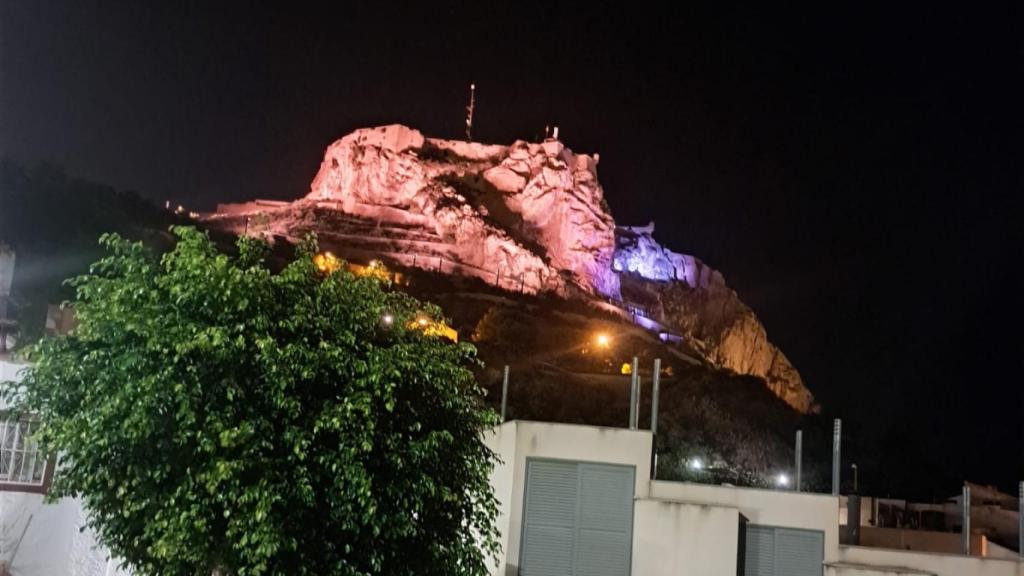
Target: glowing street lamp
[603,341]
[387,319]
[782,481]
[696,464]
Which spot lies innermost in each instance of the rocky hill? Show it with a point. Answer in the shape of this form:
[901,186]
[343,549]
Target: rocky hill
[528,218]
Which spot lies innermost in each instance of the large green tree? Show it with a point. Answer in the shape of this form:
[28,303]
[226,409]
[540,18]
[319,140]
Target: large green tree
[216,415]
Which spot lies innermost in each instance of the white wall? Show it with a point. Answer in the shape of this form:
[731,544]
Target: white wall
[563,442]
[502,440]
[9,370]
[38,539]
[674,538]
[765,507]
[858,570]
[867,505]
[923,562]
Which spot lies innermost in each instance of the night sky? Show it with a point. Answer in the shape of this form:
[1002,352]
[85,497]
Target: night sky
[856,176]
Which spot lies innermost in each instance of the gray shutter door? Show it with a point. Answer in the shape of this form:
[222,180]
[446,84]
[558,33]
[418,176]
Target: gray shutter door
[783,552]
[605,539]
[799,552]
[550,518]
[578,519]
[760,551]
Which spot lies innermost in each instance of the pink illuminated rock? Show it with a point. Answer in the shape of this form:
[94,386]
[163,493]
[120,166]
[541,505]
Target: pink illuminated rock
[542,194]
[528,217]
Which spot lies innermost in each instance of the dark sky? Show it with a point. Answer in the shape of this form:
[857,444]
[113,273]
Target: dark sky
[856,175]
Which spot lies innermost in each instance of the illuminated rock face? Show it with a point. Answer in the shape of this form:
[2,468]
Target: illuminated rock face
[534,212]
[529,217]
[688,297]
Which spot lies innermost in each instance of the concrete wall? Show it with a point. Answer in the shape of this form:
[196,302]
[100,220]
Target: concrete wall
[516,441]
[7,260]
[502,440]
[679,539]
[39,539]
[920,540]
[867,508]
[10,372]
[860,561]
[766,507]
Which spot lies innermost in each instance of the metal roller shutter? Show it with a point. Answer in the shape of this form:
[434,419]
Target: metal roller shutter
[774,551]
[578,519]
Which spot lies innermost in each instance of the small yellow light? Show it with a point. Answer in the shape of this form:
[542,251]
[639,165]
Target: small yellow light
[603,340]
[423,321]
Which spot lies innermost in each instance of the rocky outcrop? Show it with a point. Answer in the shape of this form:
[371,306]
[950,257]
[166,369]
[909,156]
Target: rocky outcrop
[692,300]
[534,212]
[529,217]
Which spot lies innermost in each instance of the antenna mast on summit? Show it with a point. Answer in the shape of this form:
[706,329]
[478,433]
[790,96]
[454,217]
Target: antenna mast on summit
[469,112]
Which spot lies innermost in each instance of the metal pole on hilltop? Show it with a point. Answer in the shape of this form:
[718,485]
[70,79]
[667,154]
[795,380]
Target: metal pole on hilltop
[469,112]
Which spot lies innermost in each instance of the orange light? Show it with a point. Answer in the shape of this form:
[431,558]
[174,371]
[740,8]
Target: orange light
[326,262]
[431,328]
[603,340]
[374,268]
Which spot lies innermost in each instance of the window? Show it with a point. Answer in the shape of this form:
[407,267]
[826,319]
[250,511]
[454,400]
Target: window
[22,466]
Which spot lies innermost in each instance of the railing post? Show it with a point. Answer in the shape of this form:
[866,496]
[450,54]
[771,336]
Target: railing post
[639,396]
[966,530]
[633,382]
[1020,517]
[504,392]
[799,458]
[837,434]
[655,381]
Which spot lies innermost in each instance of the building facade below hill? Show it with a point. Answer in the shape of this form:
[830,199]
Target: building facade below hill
[572,500]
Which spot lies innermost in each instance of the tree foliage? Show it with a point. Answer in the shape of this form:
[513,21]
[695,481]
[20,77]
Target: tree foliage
[216,415]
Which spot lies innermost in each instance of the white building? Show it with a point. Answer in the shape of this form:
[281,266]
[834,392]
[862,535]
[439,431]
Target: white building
[579,500]
[574,500]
